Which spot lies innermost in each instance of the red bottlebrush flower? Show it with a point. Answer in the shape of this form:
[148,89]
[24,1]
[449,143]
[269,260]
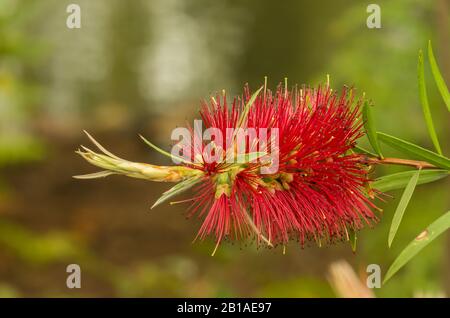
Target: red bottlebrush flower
[318,191]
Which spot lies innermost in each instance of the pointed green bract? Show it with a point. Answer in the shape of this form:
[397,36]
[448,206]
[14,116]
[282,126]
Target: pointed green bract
[425,105]
[414,150]
[163,152]
[177,189]
[440,83]
[95,175]
[370,128]
[100,147]
[400,180]
[404,200]
[423,239]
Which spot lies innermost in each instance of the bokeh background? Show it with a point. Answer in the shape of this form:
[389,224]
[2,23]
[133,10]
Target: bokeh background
[142,67]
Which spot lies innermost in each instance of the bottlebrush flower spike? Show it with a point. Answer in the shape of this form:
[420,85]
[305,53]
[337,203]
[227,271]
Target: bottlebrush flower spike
[318,192]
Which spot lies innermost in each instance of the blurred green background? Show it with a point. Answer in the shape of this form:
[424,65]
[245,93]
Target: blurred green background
[142,67]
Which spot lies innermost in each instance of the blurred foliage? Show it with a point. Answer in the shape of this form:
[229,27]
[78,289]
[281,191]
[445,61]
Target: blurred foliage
[142,66]
[18,92]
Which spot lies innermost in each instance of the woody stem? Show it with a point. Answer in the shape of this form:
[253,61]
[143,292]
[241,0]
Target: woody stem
[403,162]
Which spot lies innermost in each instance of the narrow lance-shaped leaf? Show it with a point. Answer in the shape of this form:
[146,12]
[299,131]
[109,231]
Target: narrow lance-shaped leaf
[404,200]
[370,128]
[364,151]
[425,105]
[440,83]
[353,239]
[423,239]
[245,111]
[400,180]
[247,107]
[415,150]
[177,189]
[250,156]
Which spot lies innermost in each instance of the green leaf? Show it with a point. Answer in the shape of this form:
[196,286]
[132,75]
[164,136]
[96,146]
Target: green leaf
[423,239]
[415,150]
[177,189]
[247,107]
[250,156]
[400,180]
[440,83]
[364,151]
[425,104]
[404,200]
[370,128]
[353,239]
